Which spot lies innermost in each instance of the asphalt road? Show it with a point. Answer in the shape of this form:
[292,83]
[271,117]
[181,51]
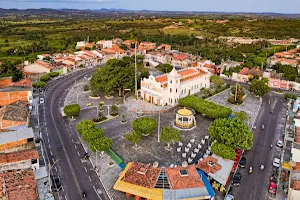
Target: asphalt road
[63,146]
[254,186]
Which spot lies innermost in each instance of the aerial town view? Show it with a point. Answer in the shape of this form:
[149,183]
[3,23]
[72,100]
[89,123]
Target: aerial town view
[149,100]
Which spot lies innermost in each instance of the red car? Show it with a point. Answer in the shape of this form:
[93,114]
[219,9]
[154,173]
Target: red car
[272,187]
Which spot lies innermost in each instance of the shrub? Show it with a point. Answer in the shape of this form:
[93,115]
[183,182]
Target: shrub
[114,111]
[203,106]
[45,78]
[72,110]
[39,84]
[144,125]
[223,150]
[290,96]
[53,74]
[86,88]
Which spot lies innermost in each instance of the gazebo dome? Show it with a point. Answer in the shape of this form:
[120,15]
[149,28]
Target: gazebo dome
[185,112]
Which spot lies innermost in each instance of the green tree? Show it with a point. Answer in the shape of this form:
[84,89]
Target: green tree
[165,68]
[242,115]
[114,110]
[39,84]
[92,134]
[101,144]
[144,125]
[290,96]
[45,78]
[133,137]
[259,87]
[205,92]
[124,47]
[85,125]
[72,110]
[231,132]
[9,69]
[170,134]
[223,150]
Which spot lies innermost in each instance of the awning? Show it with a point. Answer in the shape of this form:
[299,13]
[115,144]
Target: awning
[286,165]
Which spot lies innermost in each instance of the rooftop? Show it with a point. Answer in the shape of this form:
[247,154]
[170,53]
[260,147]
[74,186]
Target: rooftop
[244,71]
[184,177]
[297,134]
[17,111]
[142,175]
[295,184]
[19,185]
[180,57]
[18,156]
[7,137]
[185,112]
[7,82]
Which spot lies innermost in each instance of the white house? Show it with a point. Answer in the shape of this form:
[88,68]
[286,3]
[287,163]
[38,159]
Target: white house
[80,44]
[167,89]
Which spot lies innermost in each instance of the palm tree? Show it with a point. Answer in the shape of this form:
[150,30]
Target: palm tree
[134,35]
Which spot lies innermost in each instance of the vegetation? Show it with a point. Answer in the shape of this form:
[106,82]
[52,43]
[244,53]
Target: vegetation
[242,115]
[117,75]
[114,110]
[289,72]
[100,144]
[259,87]
[9,69]
[72,110]
[164,68]
[144,125]
[39,84]
[217,81]
[123,118]
[84,125]
[238,94]
[86,88]
[232,133]
[45,78]
[170,134]
[223,150]
[100,118]
[53,74]
[133,137]
[290,96]
[208,108]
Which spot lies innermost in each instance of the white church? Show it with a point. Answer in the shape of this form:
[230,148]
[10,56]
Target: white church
[167,89]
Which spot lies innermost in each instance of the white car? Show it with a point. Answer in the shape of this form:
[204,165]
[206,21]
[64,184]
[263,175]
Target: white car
[42,100]
[280,143]
[276,162]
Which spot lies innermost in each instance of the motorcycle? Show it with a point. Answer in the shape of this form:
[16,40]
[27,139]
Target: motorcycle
[250,170]
[262,167]
[83,194]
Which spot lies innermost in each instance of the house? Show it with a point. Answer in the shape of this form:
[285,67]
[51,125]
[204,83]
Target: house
[38,67]
[165,47]
[81,44]
[105,44]
[11,92]
[230,64]
[242,76]
[113,53]
[144,47]
[18,140]
[150,182]
[42,183]
[129,43]
[284,61]
[18,185]
[25,159]
[167,89]
[43,56]
[180,60]
[255,72]
[117,41]
[14,116]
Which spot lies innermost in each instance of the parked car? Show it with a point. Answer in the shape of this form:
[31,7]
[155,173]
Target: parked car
[229,197]
[42,101]
[274,175]
[280,143]
[56,183]
[242,162]
[41,92]
[237,179]
[272,187]
[276,162]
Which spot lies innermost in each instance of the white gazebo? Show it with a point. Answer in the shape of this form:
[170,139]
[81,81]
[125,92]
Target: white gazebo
[185,118]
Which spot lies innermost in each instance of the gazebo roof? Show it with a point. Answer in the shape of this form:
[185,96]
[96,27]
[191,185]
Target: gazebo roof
[185,112]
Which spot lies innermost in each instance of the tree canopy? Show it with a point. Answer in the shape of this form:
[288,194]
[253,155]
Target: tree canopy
[100,144]
[9,69]
[170,134]
[45,78]
[39,84]
[223,150]
[231,132]
[259,87]
[92,134]
[117,74]
[164,68]
[242,115]
[202,106]
[133,137]
[72,110]
[144,125]
[85,125]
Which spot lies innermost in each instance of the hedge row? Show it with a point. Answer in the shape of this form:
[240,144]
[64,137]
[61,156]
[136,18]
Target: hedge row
[203,106]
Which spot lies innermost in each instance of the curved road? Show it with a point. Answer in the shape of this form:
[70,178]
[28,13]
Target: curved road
[62,144]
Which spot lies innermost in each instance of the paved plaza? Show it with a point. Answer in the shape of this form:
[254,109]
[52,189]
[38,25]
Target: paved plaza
[251,104]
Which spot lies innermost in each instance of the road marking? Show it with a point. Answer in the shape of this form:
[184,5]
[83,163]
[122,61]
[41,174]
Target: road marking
[97,193]
[53,160]
[55,168]
[68,130]
[90,179]
[78,153]
[66,125]
[85,169]
[66,197]
[49,146]
[51,153]
[46,128]
[72,140]
[75,146]
[47,134]
[48,140]
[70,135]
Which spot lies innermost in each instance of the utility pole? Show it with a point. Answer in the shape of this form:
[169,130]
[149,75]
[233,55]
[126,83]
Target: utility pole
[158,132]
[236,85]
[135,69]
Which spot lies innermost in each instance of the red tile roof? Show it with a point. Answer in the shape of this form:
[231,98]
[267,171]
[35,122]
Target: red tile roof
[244,71]
[209,165]
[8,82]
[19,185]
[44,64]
[297,167]
[191,180]
[180,57]
[295,184]
[142,175]
[18,156]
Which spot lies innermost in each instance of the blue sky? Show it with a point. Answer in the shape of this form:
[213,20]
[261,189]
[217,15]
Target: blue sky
[280,6]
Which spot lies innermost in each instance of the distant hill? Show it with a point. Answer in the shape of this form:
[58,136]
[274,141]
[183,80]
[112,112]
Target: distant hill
[117,13]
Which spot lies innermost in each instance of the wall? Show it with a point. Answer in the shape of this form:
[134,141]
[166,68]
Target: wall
[7,98]
[25,164]
[198,83]
[35,68]
[5,124]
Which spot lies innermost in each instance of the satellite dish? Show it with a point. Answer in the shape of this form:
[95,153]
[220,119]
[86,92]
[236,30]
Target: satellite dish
[184,164]
[155,164]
